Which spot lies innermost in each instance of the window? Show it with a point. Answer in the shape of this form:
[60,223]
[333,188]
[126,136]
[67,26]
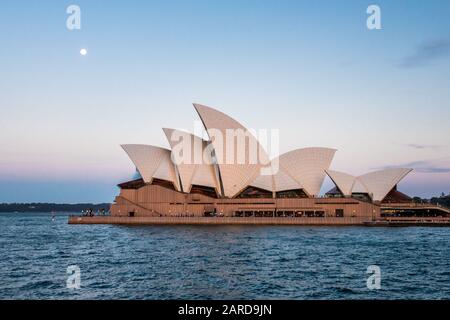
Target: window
[295,193]
[253,192]
[206,191]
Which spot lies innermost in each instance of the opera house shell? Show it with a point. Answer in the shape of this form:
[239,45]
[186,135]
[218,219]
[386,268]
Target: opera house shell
[287,185]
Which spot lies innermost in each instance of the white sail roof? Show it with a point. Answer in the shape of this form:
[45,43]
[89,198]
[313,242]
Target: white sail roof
[191,157]
[264,182]
[377,184]
[283,181]
[238,161]
[298,169]
[359,187]
[152,162]
[343,181]
[238,166]
[307,167]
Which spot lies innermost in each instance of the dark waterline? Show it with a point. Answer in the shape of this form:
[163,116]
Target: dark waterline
[219,262]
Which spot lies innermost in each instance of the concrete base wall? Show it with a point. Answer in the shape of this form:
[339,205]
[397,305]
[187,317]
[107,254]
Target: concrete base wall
[216,220]
[155,201]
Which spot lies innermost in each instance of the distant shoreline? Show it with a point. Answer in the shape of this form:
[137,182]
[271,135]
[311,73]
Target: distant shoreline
[51,207]
[29,207]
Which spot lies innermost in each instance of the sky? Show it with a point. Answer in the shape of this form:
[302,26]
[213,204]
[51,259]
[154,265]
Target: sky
[311,69]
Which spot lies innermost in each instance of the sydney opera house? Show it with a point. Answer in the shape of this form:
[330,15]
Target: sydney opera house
[285,186]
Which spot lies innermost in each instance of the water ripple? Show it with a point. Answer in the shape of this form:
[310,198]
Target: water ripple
[219,262]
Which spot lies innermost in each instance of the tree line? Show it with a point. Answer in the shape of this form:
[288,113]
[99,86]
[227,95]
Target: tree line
[442,200]
[52,207]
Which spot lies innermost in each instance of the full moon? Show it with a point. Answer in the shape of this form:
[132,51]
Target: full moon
[83,52]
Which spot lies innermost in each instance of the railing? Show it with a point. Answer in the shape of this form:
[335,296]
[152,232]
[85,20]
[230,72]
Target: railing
[423,219]
[414,206]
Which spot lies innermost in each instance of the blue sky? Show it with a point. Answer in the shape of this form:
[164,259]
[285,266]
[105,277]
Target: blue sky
[309,68]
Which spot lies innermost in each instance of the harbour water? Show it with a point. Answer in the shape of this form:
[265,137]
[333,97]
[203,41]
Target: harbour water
[218,262]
